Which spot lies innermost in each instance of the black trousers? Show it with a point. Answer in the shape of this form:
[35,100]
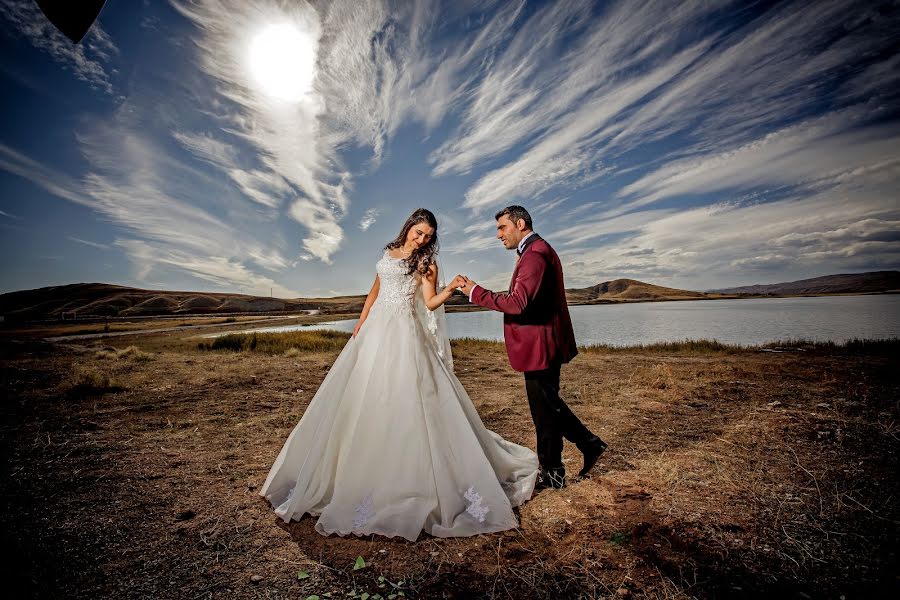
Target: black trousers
[553,419]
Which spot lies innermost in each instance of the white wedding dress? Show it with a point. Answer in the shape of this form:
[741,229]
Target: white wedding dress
[391,443]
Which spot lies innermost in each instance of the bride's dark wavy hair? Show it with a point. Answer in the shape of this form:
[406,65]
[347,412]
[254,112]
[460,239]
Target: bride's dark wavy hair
[422,258]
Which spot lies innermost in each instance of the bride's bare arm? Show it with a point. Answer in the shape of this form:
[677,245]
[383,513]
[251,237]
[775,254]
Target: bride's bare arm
[429,286]
[370,300]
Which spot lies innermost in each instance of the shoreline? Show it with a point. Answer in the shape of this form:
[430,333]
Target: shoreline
[449,307]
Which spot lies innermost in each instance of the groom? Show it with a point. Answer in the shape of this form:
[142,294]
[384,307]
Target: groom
[539,338]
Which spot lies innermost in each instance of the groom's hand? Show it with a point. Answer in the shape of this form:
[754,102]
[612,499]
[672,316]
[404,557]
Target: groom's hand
[467,285]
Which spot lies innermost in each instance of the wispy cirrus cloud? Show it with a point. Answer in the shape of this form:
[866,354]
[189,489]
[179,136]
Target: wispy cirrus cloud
[387,64]
[218,269]
[138,186]
[652,75]
[542,91]
[265,187]
[57,183]
[89,61]
[847,226]
[294,159]
[368,219]
[815,152]
[96,245]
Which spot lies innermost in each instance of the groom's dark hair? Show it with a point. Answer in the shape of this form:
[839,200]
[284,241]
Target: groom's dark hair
[515,212]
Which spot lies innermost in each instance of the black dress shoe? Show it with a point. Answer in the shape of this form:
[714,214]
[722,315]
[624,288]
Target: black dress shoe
[551,478]
[592,451]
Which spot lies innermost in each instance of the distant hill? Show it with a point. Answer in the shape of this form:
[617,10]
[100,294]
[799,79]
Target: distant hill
[84,300]
[107,300]
[851,283]
[628,289]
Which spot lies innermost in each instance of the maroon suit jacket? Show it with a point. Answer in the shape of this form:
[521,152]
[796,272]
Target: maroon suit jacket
[536,322]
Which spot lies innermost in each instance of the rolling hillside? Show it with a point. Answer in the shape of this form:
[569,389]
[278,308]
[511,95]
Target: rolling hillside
[623,290]
[849,283]
[106,300]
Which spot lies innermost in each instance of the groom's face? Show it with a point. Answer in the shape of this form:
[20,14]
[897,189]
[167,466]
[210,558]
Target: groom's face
[509,233]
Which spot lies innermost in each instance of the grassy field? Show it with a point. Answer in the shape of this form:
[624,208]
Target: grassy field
[133,470]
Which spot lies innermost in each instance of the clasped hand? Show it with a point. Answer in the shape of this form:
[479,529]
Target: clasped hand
[463,283]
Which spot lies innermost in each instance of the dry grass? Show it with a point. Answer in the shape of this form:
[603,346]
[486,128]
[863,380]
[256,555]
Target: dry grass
[279,343]
[729,473]
[86,381]
[131,352]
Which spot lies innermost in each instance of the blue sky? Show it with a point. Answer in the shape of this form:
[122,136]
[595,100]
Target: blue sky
[251,145]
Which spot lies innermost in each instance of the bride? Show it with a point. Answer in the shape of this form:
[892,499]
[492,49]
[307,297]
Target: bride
[391,443]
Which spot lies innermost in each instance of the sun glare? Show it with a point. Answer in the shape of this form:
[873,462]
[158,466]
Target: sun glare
[282,61]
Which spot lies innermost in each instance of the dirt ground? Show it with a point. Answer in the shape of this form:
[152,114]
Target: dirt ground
[729,474]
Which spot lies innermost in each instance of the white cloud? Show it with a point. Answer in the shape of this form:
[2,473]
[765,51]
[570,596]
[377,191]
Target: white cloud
[631,76]
[138,186]
[223,272]
[562,103]
[297,159]
[207,147]
[368,219]
[849,226]
[58,184]
[818,151]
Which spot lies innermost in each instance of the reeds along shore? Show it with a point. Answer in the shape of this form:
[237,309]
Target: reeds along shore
[325,340]
[134,463]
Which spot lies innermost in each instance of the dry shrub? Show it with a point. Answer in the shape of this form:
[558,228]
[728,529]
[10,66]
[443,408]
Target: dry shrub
[132,352]
[88,382]
[279,343]
[472,345]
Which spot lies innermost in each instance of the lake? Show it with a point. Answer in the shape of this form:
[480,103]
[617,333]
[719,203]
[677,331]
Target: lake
[745,322]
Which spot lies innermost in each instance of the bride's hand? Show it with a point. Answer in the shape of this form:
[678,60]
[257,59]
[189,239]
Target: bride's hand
[356,329]
[458,282]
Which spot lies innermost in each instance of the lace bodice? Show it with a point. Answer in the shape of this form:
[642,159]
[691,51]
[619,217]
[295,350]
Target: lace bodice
[397,289]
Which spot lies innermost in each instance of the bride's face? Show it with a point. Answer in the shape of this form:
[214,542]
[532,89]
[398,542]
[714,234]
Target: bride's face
[419,235]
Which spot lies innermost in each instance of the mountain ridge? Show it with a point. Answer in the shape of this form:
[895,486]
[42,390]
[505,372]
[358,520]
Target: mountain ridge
[841,283]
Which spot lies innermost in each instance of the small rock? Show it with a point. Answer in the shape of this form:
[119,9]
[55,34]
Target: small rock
[623,592]
[255,578]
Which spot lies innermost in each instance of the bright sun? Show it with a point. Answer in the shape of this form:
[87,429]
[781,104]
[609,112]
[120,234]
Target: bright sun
[282,61]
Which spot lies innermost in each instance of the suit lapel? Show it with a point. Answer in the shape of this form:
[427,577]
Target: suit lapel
[530,241]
